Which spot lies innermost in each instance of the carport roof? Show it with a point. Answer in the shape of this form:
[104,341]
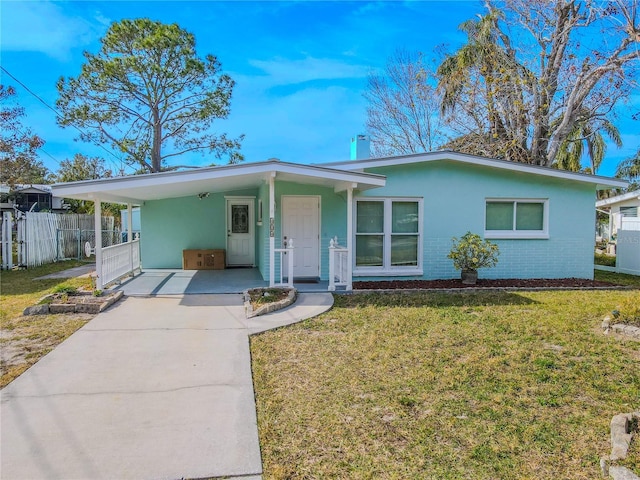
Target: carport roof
[137,189]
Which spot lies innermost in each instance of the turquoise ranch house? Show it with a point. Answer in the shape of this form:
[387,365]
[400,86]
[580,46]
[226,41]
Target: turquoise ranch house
[361,219]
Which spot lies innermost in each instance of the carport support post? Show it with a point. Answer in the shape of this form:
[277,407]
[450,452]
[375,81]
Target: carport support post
[350,236]
[97,212]
[272,229]
[130,235]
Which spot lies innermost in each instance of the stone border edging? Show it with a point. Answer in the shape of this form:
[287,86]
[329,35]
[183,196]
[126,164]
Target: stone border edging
[621,328]
[54,308]
[624,427]
[269,307]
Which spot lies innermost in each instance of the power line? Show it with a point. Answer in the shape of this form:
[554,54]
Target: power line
[60,116]
[49,155]
[40,148]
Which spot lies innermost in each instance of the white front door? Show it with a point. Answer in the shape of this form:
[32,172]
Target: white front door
[240,232]
[301,222]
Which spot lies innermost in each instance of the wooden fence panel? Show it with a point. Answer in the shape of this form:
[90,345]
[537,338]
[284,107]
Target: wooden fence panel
[42,244]
[48,237]
[7,240]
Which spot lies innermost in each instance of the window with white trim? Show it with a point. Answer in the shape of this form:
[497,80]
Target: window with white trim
[516,218]
[388,235]
[629,211]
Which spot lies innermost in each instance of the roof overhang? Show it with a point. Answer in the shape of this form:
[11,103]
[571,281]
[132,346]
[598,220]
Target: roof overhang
[607,202]
[137,189]
[601,183]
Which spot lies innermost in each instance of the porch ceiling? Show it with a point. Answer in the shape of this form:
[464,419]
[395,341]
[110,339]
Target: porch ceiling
[139,188]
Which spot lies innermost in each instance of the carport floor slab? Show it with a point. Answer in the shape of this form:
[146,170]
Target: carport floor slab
[152,388]
[179,282]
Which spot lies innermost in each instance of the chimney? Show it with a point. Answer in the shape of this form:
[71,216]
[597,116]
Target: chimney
[360,147]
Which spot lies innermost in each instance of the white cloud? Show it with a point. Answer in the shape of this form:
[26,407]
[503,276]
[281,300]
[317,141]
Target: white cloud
[283,71]
[312,123]
[44,27]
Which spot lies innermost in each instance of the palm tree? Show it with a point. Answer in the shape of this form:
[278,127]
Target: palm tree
[587,134]
[501,116]
[629,169]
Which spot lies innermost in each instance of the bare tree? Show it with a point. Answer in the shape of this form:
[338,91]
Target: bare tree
[403,112]
[534,69]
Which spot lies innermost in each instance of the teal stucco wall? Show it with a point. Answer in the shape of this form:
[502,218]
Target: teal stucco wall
[454,202]
[175,224]
[333,218]
[453,196]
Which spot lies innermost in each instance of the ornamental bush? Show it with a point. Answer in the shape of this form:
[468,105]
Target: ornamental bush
[471,252]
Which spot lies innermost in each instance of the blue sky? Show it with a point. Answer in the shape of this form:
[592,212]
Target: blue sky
[300,67]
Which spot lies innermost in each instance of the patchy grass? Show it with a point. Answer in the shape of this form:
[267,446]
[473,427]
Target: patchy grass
[471,385]
[617,278]
[628,312]
[24,340]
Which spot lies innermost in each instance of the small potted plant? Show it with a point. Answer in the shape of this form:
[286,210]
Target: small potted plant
[470,253]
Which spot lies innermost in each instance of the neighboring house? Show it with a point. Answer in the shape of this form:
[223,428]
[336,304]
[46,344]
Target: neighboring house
[623,211]
[30,198]
[135,222]
[395,217]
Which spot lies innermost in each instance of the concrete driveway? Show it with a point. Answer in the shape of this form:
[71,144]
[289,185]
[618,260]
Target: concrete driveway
[152,388]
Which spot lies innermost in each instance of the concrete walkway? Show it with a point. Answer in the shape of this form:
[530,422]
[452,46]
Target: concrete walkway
[152,388]
[81,271]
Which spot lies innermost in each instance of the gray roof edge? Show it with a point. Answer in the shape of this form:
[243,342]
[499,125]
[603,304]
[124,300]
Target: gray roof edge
[238,166]
[490,162]
[618,198]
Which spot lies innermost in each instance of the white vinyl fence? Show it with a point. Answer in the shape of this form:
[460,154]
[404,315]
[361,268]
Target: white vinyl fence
[628,252]
[47,237]
[630,223]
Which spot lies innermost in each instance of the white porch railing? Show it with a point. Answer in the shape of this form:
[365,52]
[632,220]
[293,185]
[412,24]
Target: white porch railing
[339,267]
[120,260]
[283,253]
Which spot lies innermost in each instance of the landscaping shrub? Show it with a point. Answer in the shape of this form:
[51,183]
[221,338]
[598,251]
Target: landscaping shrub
[65,288]
[604,259]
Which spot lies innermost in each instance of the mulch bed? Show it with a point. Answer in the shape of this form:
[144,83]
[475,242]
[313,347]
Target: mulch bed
[482,283]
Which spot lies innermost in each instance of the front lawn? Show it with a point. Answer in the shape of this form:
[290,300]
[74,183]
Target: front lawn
[24,340]
[471,385]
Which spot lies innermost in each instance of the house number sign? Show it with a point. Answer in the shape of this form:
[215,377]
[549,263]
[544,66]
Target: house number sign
[272,227]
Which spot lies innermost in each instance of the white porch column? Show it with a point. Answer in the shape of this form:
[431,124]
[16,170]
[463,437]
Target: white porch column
[272,229]
[130,235]
[97,212]
[129,223]
[610,226]
[350,238]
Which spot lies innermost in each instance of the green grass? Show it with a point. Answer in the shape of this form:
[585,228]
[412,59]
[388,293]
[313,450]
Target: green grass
[617,278]
[32,337]
[472,385]
[603,259]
